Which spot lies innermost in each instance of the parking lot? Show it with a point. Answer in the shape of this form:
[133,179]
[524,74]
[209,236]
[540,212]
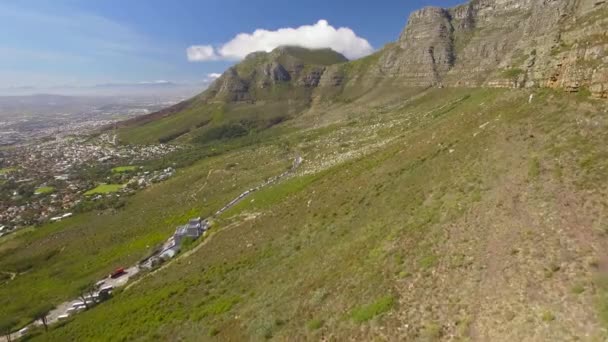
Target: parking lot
[62,309]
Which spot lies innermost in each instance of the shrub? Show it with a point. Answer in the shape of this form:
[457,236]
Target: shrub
[367,312]
[172,136]
[534,168]
[432,331]
[548,316]
[213,331]
[187,243]
[218,306]
[315,324]
[225,131]
[428,261]
[512,73]
[578,289]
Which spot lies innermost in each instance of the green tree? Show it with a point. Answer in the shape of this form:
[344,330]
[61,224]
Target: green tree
[41,312]
[85,290]
[6,327]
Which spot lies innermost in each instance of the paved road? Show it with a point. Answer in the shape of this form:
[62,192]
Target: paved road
[296,163]
[62,308]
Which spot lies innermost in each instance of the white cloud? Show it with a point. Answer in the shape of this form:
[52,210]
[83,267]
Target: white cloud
[155,82]
[197,53]
[319,35]
[211,77]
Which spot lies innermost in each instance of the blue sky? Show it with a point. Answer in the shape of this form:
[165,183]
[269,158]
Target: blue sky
[86,42]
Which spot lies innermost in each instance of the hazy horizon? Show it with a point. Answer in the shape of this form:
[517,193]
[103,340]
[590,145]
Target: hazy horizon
[77,45]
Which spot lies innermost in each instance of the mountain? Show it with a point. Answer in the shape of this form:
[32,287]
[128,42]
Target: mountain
[451,186]
[489,43]
[278,75]
[513,43]
[261,91]
[485,43]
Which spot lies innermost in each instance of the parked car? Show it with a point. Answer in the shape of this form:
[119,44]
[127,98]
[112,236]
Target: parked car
[91,298]
[77,304]
[117,273]
[105,290]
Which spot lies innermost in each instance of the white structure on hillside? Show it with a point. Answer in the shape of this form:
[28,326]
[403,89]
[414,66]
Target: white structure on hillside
[195,228]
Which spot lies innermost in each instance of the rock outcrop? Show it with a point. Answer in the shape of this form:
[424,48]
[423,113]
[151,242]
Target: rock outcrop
[286,70]
[230,87]
[504,43]
[425,50]
[484,43]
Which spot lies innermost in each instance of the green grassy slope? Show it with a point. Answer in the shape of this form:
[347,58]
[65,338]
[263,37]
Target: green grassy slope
[465,213]
[199,124]
[269,104]
[52,261]
[265,101]
[171,127]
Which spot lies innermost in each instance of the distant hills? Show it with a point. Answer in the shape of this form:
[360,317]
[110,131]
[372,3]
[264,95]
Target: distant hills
[153,84]
[150,89]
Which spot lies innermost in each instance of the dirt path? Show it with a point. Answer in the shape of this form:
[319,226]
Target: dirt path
[11,274]
[202,187]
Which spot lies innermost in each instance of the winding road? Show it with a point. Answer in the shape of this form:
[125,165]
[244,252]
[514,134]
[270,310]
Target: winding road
[62,308]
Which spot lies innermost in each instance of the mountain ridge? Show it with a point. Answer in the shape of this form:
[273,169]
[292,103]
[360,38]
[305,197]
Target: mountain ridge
[560,44]
[494,43]
[452,186]
[262,70]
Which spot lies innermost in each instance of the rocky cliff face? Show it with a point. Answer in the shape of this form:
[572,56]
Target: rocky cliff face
[505,43]
[491,43]
[266,76]
[425,50]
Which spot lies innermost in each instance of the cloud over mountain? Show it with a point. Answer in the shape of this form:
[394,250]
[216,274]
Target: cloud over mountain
[212,76]
[318,35]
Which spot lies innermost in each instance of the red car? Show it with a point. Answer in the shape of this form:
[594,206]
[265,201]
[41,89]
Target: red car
[119,271]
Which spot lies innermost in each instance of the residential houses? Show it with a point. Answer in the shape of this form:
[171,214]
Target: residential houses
[59,163]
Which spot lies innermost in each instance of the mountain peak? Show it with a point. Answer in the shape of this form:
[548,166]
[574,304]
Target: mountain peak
[483,43]
[320,56]
[260,73]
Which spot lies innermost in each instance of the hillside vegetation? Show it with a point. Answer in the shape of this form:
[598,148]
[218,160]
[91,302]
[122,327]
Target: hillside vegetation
[453,187]
[53,261]
[258,93]
[456,212]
